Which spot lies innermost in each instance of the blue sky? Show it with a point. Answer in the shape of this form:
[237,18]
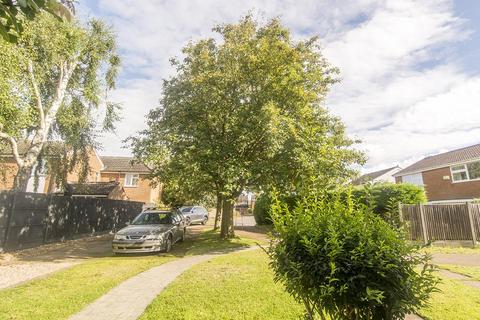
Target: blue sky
[410,69]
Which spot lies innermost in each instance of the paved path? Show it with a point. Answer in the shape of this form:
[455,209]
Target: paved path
[129,299]
[460,277]
[457,258]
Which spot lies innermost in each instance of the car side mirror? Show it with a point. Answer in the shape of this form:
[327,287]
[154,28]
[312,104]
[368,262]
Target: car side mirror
[127,223]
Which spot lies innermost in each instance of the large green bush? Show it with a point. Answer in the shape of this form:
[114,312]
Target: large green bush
[261,211]
[385,197]
[341,260]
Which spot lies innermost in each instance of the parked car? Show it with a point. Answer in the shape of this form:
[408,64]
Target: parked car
[151,231]
[195,214]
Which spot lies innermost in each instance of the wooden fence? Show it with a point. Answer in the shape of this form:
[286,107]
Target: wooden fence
[442,222]
[31,219]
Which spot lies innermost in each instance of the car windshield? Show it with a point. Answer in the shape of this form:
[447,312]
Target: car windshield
[186,209]
[153,218]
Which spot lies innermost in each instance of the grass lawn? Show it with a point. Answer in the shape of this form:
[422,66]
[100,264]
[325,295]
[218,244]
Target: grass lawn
[240,286]
[67,292]
[462,250]
[472,272]
[455,301]
[235,286]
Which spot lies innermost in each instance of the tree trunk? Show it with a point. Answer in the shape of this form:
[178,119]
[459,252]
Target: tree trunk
[227,230]
[22,177]
[218,213]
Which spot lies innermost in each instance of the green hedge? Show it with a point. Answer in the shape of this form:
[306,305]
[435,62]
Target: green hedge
[261,211]
[383,198]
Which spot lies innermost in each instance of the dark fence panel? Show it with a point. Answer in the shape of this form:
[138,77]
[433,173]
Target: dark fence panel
[442,222]
[31,219]
[6,202]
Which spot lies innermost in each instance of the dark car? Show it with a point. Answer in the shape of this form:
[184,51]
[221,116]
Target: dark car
[151,231]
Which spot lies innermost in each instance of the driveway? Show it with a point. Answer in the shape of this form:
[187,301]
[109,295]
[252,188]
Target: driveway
[28,264]
[38,262]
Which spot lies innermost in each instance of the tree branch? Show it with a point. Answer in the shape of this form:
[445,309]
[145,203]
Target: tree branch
[38,97]
[66,71]
[13,145]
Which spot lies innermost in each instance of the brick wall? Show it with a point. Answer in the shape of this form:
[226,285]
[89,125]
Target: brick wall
[143,192]
[8,170]
[438,188]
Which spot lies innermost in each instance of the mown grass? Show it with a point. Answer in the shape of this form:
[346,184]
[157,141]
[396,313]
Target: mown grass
[469,271]
[67,292]
[454,301]
[234,286]
[449,250]
[240,286]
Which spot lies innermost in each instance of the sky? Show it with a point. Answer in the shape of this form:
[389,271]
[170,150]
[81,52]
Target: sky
[410,69]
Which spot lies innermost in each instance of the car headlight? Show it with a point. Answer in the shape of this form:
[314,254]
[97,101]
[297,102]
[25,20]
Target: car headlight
[120,237]
[153,237]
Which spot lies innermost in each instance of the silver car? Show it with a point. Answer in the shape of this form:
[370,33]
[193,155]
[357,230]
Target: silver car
[150,231]
[195,214]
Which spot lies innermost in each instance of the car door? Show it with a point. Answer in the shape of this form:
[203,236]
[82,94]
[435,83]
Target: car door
[196,214]
[189,214]
[177,227]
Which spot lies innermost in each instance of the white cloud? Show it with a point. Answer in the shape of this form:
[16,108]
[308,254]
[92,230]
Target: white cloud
[401,93]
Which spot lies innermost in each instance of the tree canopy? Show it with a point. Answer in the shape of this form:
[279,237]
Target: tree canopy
[247,111]
[52,84]
[14,12]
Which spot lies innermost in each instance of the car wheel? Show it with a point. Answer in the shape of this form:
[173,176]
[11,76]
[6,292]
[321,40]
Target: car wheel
[168,244]
[204,221]
[188,221]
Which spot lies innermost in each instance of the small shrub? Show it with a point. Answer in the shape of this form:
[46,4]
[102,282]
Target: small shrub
[341,260]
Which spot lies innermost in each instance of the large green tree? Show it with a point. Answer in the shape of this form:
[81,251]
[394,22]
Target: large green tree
[247,111]
[14,12]
[52,84]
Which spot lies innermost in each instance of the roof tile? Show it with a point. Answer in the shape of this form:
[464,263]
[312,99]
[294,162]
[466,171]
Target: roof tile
[123,164]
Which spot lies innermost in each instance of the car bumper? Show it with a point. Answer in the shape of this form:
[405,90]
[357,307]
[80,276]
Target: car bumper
[125,246]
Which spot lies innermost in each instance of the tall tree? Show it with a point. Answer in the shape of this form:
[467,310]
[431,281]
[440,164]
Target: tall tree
[52,83]
[248,111]
[14,12]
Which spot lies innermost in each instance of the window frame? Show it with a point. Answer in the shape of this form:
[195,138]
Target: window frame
[130,184]
[465,169]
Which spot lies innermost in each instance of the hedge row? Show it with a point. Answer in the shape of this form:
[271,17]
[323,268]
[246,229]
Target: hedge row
[383,198]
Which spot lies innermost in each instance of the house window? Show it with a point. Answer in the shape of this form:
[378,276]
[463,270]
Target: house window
[131,179]
[459,173]
[473,170]
[465,172]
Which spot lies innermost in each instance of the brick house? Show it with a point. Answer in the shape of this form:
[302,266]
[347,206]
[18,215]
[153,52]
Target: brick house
[131,178]
[8,168]
[452,176]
